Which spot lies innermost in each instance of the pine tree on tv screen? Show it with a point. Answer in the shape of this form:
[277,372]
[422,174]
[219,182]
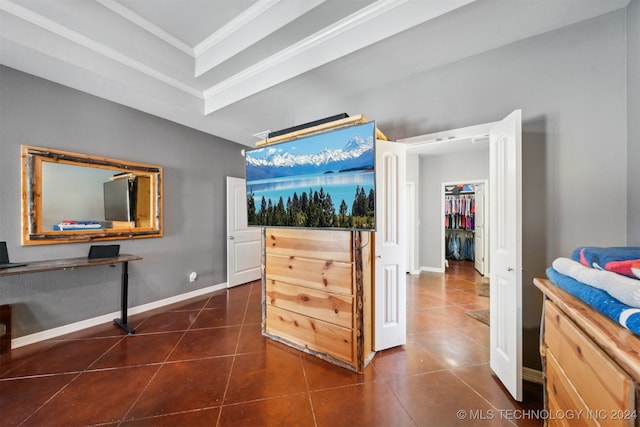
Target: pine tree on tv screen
[324,180]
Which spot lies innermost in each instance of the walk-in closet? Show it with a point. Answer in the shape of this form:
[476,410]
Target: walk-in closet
[464,223]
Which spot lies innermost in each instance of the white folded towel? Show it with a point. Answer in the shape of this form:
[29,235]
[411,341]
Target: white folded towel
[622,288]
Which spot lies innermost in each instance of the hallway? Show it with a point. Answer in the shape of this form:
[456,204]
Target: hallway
[203,362]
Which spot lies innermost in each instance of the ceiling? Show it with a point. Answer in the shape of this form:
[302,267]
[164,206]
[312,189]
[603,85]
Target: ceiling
[235,68]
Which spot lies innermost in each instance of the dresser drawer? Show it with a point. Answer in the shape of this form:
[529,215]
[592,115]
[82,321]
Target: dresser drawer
[332,308]
[562,395]
[331,276]
[576,362]
[312,334]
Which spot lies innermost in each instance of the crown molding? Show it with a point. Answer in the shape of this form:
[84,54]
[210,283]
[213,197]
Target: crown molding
[352,33]
[141,22]
[260,20]
[236,24]
[81,40]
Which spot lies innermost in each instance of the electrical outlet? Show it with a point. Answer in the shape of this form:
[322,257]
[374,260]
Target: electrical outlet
[193,276]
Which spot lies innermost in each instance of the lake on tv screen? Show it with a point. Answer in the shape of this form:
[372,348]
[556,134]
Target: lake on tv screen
[340,186]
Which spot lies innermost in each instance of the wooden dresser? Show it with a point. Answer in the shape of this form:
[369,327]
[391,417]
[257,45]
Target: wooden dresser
[591,364]
[317,293]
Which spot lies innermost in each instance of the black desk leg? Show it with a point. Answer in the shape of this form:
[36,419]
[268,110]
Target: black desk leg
[122,322]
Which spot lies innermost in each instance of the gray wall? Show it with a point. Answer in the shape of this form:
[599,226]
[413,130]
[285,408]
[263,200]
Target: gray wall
[633,115]
[42,113]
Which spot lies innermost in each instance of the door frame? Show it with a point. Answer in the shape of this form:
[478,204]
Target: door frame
[477,131]
[411,228]
[443,249]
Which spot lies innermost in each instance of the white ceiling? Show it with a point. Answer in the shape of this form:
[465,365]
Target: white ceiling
[233,68]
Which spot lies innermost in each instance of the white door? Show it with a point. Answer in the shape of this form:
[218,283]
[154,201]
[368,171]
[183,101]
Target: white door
[479,229]
[243,243]
[505,242]
[390,247]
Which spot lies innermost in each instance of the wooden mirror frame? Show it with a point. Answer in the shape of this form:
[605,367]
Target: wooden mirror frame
[33,232]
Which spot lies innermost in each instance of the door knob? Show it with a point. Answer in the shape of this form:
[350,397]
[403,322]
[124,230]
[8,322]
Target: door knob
[509,268]
[231,238]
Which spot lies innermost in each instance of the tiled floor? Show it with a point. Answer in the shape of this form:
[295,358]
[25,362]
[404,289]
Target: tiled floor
[204,362]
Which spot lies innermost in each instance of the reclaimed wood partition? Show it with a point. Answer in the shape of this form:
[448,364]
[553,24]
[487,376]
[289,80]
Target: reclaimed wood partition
[317,288]
[318,284]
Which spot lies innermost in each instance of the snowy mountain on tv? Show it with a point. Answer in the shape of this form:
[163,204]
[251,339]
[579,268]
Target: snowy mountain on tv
[282,160]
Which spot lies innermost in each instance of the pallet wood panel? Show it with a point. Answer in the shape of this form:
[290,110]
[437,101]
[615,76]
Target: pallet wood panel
[317,287]
[333,308]
[310,333]
[600,382]
[555,407]
[563,394]
[330,245]
[313,273]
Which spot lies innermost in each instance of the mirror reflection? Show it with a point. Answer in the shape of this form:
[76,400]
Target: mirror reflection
[74,197]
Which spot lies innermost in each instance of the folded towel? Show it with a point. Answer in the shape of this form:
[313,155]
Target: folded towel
[617,259]
[628,317]
[623,288]
[635,269]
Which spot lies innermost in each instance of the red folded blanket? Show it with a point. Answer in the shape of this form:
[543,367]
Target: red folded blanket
[617,259]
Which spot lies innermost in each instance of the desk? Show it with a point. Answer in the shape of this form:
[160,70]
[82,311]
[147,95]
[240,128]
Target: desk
[72,264]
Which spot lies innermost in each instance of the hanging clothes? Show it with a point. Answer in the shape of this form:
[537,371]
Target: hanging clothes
[459,215]
[469,250]
[459,212]
[454,247]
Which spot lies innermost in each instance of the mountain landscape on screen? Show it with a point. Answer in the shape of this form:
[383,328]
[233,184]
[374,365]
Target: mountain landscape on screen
[324,180]
[275,162]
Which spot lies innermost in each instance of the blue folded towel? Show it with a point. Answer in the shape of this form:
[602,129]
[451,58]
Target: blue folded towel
[621,313]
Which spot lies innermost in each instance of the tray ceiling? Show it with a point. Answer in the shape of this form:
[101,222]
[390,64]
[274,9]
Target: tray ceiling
[233,68]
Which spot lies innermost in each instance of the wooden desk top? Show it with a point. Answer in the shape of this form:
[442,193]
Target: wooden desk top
[622,345]
[65,264]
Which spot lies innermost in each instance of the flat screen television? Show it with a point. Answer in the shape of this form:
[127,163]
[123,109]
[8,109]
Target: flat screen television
[119,204]
[325,180]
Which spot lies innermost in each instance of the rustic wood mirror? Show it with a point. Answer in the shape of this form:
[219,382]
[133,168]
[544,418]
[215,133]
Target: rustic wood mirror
[70,197]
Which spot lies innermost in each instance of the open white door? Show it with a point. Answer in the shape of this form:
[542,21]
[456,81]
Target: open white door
[243,243]
[390,246]
[505,242]
[480,229]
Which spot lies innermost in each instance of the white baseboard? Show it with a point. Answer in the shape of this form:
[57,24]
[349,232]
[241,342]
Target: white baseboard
[432,269]
[414,272]
[106,318]
[532,375]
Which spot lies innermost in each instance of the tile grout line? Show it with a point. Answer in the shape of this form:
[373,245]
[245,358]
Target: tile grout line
[406,410]
[160,365]
[306,382]
[478,393]
[235,353]
[51,398]
[71,381]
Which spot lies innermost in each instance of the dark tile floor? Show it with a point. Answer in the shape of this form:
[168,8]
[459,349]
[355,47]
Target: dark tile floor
[204,362]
